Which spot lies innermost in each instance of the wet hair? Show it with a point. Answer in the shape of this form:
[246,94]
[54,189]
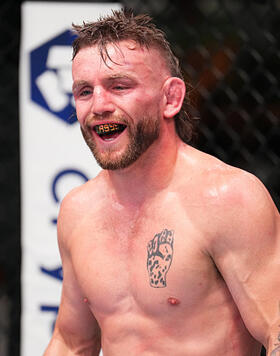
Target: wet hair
[124,25]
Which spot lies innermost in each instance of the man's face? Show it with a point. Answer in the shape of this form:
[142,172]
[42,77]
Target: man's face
[119,103]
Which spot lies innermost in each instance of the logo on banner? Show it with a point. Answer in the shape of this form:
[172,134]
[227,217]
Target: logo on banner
[51,80]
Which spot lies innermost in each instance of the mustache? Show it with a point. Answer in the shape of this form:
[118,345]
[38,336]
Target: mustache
[91,120]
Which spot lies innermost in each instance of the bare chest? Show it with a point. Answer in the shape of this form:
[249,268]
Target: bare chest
[146,264]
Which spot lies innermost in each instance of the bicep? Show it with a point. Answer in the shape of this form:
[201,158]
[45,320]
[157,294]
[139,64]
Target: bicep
[75,324]
[255,290]
[247,255]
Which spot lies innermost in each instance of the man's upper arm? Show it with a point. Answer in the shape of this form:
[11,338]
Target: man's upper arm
[247,253]
[75,325]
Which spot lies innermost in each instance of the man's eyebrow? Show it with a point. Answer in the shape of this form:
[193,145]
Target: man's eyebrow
[79,83]
[120,76]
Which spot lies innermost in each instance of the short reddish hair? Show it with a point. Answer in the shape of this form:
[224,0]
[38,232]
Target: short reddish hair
[124,25]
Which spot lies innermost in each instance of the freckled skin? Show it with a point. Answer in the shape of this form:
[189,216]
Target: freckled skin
[218,269]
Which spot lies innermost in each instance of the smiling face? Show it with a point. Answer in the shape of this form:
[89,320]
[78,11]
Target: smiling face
[119,103]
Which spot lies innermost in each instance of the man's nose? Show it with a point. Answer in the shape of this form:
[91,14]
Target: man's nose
[101,102]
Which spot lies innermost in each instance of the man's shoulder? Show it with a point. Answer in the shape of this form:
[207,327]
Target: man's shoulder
[235,187]
[240,211]
[220,182]
[229,200]
[80,204]
[87,193]
[245,204]
[81,201]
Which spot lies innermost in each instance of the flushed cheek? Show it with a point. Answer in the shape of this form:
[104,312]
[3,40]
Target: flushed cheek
[148,101]
[140,107]
[82,113]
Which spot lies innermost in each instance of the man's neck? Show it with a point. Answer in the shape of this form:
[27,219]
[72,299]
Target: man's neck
[151,173]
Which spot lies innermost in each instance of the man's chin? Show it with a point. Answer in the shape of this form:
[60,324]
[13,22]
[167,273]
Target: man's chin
[114,163]
[122,153]
[111,166]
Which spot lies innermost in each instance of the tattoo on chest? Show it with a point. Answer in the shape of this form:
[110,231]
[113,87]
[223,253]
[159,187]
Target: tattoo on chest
[276,350]
[160,254]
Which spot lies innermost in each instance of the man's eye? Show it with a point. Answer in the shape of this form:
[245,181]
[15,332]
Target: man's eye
[120,87]
[85,92]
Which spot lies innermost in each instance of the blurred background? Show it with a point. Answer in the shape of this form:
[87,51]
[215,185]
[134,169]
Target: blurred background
[229,52]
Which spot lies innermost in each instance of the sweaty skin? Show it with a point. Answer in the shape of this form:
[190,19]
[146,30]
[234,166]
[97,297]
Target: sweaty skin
[175,255]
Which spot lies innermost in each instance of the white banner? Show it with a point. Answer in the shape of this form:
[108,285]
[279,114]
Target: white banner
[54,157]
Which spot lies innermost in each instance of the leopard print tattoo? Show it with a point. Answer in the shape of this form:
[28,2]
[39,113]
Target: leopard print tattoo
[276,350]
[160,254]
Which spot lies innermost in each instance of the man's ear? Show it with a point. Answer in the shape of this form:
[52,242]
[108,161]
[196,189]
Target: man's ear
[174,93]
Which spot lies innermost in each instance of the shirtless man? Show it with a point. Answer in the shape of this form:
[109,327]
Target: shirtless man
[168,251]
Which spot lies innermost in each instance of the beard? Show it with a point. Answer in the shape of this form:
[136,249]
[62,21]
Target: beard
[141,136]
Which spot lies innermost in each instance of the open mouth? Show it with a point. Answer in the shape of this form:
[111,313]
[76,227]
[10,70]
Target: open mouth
[110,131]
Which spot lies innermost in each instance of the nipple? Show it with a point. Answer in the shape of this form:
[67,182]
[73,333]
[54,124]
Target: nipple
[85,300]
[173,301]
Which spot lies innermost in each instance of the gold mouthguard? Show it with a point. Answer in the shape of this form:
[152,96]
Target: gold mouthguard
[107,128]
